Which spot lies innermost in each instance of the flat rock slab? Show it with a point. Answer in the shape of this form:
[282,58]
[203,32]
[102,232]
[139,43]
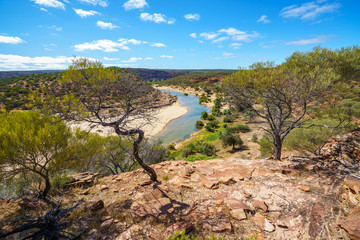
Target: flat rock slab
[241,173]
[210,183]
[262,223]
[205,170]
[352,224]
[178,227]
[236,204]
[154,208]
[217,224]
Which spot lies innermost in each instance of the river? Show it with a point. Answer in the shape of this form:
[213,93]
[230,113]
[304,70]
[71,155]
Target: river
[181,128]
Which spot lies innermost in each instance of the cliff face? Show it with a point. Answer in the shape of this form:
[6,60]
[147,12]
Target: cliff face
[232,198]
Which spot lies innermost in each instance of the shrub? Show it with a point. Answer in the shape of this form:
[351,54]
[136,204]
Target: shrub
[265,146]
[212,125]
[171,147]
[348,102]
[208,149]
[59,181]
[199,124]
[186,152]
[228,138]
[227,112]
[186,94]
[203,98]
[165,178]
[216,111]
[217,102]
[241,128]
[211,117]
[204,115]
[254,138]
[228,119]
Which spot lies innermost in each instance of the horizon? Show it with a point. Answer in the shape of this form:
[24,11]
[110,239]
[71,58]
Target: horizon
[44,35]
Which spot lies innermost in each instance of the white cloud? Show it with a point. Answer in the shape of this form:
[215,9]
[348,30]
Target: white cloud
[193,35]
[192,17]
[105,25]
[110,59]
[231,31]
[156,17]
[95,2]
[11,40]
[319,39]
[107,45]
[236,45]
[309,10]
[16,62]
[149,58]
[158,45]
[43,9]
[83,13]
[247,37]
[263,19]
[132,60]
[53,27]
[228,55]
[209,36]
[135,4]
[50,3]
[166,56]
[221,39]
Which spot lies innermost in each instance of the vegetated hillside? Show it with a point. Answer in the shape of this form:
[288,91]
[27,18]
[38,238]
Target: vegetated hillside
[197,80]
[21,73]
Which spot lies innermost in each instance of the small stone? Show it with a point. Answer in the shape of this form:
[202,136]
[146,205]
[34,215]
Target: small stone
[115,190]
[145,183]
[217,224]
[247,195]
[227,180]
[84,192]
[104,187]
[262,223]
[183,185]
[95,206]
[236,204]
[209,183]
[304,188]
[188,171]
[106,223]
[260,204]
[238,214]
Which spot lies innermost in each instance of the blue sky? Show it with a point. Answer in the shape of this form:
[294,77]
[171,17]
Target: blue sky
[170,34]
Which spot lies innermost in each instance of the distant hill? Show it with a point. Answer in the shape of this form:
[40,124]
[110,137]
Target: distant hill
[21,73]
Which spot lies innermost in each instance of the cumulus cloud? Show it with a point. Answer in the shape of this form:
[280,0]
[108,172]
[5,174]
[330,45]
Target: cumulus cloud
[83,13]
[50,3]
[11,40]
[220,39]
[105,25]
[131,60]
[316,40]
[193,35]
[209,36]
[263,19]
[135,4]
[231,31]
[106,45]
[309,10]
[110,59]
[156,18]
[95,2]
[192,17]
[166,56]
[16,62]
[236,45]
[149,58]
[158,45]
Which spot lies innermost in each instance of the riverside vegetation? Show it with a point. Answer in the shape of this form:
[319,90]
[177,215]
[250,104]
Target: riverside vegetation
[257,112]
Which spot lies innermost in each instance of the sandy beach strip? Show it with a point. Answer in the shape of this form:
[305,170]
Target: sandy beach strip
[160,119]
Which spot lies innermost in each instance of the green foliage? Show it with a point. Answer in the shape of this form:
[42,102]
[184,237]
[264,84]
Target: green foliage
[171,147]
[211,117]
[203,99]
[165,178]
[217,102]
[265,146]
[216,111]
[186,94]
[186,152]
[254,138]
[212,125]
[228,138]
[228,119]
[58,181]
[208,149]
[199,124]
[199,146]
[204,115]
[241,128]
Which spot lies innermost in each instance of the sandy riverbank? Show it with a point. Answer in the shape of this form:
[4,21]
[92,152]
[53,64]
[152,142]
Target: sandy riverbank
[160,119]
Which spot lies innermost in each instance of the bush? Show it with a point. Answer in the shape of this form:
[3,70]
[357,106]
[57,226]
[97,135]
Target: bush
[217,102]
[59,181]
[211,117]
[208,149]
[203,99]
[228,138]
[212,125]
[254,138]
[171,147]
[241,128]
[265,146]
[199,124]
[227,112]
[228,119]
[348,102]
[216,111]
[186,152]
[186,94]
[204,115]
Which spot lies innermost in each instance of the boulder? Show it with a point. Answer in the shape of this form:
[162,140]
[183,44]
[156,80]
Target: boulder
[351,224]
[96,205]
[262,223]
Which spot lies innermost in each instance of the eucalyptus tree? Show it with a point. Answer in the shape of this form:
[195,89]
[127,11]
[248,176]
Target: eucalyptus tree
[32,144]
[281,94]
[110,97]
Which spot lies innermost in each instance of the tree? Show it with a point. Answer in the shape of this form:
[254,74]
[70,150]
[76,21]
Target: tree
[110,97]
[33,144]
[228,138]
[281,94]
